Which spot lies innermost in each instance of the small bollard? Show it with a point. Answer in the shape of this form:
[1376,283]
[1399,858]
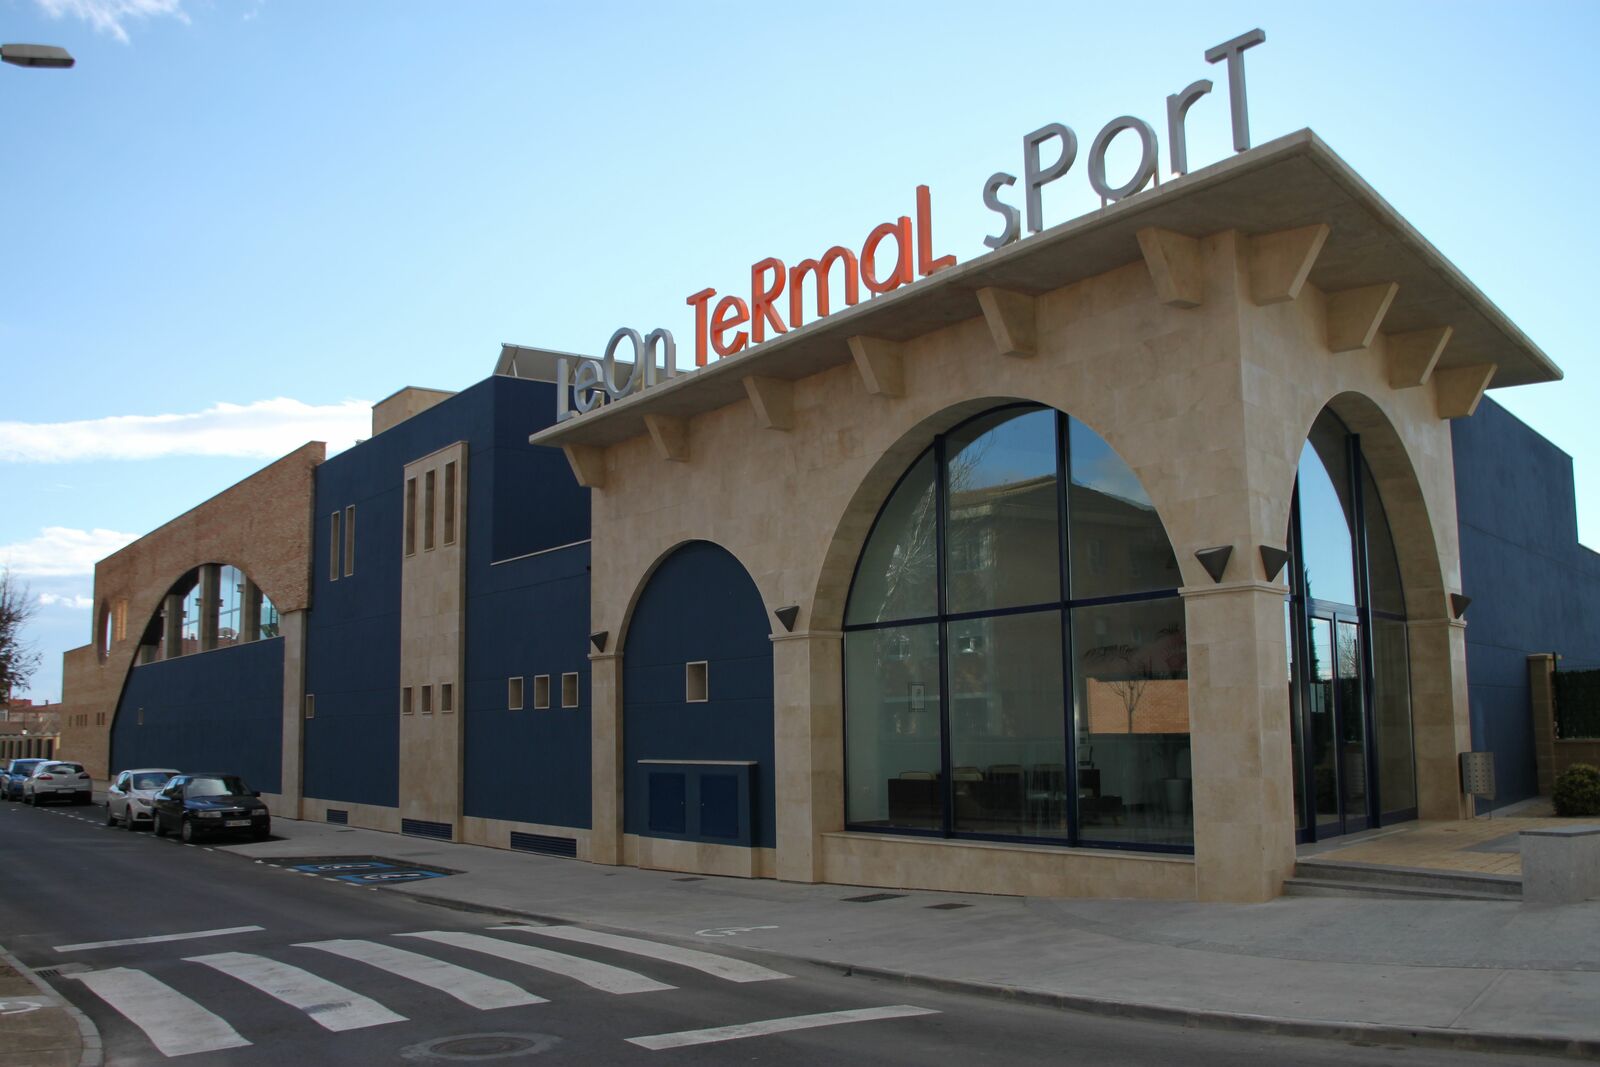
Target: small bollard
[1560,864]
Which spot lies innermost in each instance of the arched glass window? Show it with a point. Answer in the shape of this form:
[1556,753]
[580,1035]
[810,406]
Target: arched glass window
[242,613]
[1350,676]
[1000,685]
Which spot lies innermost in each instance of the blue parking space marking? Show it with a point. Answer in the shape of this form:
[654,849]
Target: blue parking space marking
[341,868]
[402,874]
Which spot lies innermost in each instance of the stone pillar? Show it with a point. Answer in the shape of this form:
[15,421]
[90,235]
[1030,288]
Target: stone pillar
[1542,700]
[1439,715]
[605,754]
[210,601]
[250,612]
[172,627]
[291,788]
[1239,721]
[808,728]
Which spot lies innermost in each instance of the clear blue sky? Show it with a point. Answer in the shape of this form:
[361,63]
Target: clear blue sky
[231,202]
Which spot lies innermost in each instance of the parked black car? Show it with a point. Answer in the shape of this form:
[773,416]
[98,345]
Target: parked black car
[200,805]
[15,773]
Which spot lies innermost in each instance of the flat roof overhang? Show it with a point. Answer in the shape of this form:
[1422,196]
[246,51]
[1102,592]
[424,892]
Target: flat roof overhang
[1291,182]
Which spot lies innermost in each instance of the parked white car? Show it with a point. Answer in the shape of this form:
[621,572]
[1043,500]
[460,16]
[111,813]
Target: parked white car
[54,780]
[131,795]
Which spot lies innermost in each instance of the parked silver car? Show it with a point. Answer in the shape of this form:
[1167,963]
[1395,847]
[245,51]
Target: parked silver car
[131,796]
[54,780]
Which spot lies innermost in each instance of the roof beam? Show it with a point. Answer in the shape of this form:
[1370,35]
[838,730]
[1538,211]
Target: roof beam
[1280,262]
[772,399]
[881,364]
[588,463]
[1354,315]
[1413,355]
[1456,391]
[1012,319]
[670,435]
[1174,263]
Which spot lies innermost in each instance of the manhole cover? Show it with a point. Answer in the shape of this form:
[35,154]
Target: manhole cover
[951,906]
[480,1047]
[871,898]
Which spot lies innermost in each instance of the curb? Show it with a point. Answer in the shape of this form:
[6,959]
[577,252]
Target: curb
[1419,1036]
[93,1048]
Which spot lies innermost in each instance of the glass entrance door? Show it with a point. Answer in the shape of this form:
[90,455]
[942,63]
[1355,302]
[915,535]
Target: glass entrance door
[1335,726]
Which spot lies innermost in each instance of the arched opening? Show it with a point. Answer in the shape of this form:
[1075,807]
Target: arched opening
[1350,681]
[212,606]
[697,720]
[1015,654]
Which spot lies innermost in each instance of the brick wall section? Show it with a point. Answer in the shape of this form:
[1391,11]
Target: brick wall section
[262,525]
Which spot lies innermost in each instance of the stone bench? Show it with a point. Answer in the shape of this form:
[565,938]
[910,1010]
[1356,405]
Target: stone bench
[1561,864]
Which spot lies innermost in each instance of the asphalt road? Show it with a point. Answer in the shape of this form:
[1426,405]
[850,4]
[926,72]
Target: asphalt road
[337,974]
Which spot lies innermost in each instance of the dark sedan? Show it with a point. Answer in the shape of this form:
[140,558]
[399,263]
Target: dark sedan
[12,777]
[208,805]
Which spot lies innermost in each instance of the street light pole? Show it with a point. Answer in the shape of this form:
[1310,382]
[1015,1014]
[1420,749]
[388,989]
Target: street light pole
[36,55]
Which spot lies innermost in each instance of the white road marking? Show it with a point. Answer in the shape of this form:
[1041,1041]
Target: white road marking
[470,987]
[332,1006]
[84,946]
[175,1025]
[708,963]
[601,976]
[777,1026]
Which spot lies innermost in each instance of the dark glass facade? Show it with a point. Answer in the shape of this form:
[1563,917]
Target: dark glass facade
[1015,658]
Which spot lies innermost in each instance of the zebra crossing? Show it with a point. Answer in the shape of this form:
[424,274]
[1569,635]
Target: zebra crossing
[177,1025]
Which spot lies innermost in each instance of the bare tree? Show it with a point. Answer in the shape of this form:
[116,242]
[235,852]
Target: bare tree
[18,659]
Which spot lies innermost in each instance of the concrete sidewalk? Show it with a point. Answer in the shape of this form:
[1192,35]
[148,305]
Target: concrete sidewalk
[1468,974]
[37,1027]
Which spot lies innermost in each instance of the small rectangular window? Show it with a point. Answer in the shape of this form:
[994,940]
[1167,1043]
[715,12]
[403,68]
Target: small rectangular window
[447,698]
[449,503]
[541,692]
[427,700]
[333,547]
[405,700]
[427,511]
[119,626]
[311,706]
[696,683]
[349,540]
[513,694]
[569,689]
[411,516]
[141,716]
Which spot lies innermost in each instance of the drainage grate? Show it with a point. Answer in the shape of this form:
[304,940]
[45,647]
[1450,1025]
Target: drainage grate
[872,898]
[950,906]
[544,844]
[61,970]
[688,879]
[339,815]
[418,828]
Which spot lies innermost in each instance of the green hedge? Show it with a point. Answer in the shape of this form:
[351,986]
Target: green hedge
[1577,703]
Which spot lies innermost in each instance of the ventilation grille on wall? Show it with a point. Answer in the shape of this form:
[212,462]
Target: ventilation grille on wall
[544,844]
[339,815]
[418,828]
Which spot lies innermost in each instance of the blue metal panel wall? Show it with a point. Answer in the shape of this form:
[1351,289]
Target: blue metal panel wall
[526,615]
[213,711]
[700,605]
[1534,588]
[520,499]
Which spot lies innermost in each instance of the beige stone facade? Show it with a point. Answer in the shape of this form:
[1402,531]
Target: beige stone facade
[1199,330]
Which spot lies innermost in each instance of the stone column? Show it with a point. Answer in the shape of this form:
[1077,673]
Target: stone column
[1239,746]
[1439,715]
[210,601]
[808,746]
[250,612]
[1542,698]
[292,625]
[605,754]
[172,627]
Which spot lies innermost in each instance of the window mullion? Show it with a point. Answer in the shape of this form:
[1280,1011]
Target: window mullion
[1069,803]
[940,495]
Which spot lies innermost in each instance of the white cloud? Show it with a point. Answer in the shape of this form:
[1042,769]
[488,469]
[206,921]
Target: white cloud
[54,600]
[60,550]
[263,429]
[108,16]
